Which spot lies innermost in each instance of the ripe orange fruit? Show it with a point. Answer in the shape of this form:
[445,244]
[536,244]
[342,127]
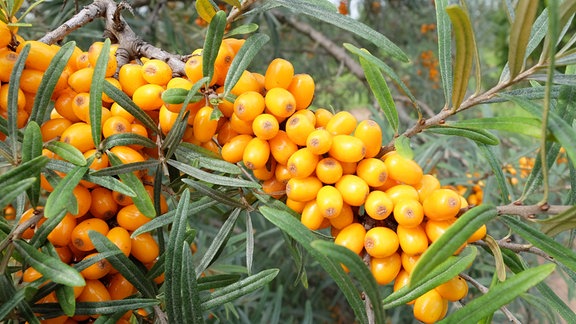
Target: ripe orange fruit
[409,261]
[402,192]
[329,170]
[131,78]
[156,72]
[323,116]
[373,171]
[343,123]
[453,289]
[61,234]
[81,80]
[96,270]
[371,134]
[103,205]
[302,88]
[148,96]
[427,184]
[352,237]
[121,238]
[298,127]
[381,242]
[442,204]
[127,154]
[329,201]
[119,287]
[280,102]
[241,126]
[319,141]
[478,235]
[144,248]
[265,126]
[94,291]
[54,128]
[312,216]
[408,212]
[402,169]
[247,82]
[303,189]
[256,153]
[302,163]
[282,147]
[413,240]
[7,61]
[130,218]
[274,187]
[385,269]
[279,74]
[248,105]
[116,125]
[378,205]
[80,238]
[429,307]
[78,135]
[204,126]
[347,148]
[40,54]
[354,190]
[345,218]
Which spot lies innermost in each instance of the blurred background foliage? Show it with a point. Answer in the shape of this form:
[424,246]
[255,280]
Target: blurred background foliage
[176,27]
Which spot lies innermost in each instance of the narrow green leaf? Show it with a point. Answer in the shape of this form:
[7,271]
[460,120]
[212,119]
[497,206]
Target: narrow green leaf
[242,30]
[15,299]
[402,146]
[218,243]
[123,100]
[125,168]
[496,167]
[13,88]
[212,42]
[32,148]
[465,51]
[23,171]
[59,199]
[347,23]
[498,259]
[243,58]
[142,199]
[445,271]
[562,16]
[47,226]
[556,250]
[125,139]
[96,89]
[500,295]
[357,267]
[173,262]
[520,34]
[559,223]
[206,159]
[101,308]
[521,125]
[190,293]
[123,264]
[49,80]
[561,79]
[9,192]
[382,66]
[217,281]
[211,177]
[67,152]
[276,213]
[65,295]
[51,268]
[451,240]
[477,135]
[381,91]
[444,30]
[205,9]
[239,289]
[249,243]
[220,196]
[174,136]
[175,95]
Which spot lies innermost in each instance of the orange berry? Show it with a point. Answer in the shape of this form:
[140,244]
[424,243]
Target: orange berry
[329,201]
[167,119]
[81,80]
[119,287]
[385,269]
[265,126]
[265,173]
[249,105]
[312,216]
[302,163]
[127,154]
[204,126]
[193,69]
[453,289]
[323,116]
[319,141]
[63,105]
[408,212]
[241,126]
[256,153]
[144,248]
[78,135]
[402,192]
[53,128]
[130,218]
[7,61]
[409,261]
[233,150]
[21,101]
[302,88]
[282,147]
[96,270]
[80,238]
[121,199]
[246,83]
[297,206]
[402,169]
[347,148]
[352,237]
[373,171]
[61,234]
[329,170]
[226,133]
[31,274]
[280,102]
[116,125]
[281,173]
[274,188]
[303,189]
[121,238]
[428,308]
[223,61]
[378,205]
[148,97]
[103,205]
[343,123]
[354,190]
[371,134]
[480,234]
[381,242]
[279,74]
[427,184]
[40,54]
[442,204]
[413,240]
[156,72]
[345,218]
[131,78]
[94,291]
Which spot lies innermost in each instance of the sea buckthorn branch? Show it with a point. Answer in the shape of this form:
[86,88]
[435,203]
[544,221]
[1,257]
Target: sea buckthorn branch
[236,12]
[116,27]
[483,289]
[529,211]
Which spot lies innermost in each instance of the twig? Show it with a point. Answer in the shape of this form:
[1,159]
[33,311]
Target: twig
[529,211]
[517,247]
[483,289]
[236,12]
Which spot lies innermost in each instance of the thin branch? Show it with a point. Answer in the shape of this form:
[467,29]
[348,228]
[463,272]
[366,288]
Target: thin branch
[236,12]
[529,211]
[517,247]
